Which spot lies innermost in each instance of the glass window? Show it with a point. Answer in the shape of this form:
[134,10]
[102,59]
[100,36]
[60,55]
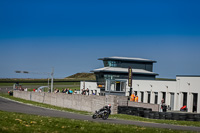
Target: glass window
[105,63]
[112,63]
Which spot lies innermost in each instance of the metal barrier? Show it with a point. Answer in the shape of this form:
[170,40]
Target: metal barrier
[148,113]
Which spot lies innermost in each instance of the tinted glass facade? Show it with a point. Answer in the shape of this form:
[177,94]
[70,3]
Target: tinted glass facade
[103,76]
[125,64]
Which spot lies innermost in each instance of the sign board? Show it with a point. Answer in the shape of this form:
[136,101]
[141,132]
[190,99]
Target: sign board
[130,77]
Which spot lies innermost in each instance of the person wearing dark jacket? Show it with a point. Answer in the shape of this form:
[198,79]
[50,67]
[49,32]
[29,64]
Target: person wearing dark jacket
[108,107]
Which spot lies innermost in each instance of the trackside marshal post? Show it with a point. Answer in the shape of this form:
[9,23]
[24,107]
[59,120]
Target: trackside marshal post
[130,80]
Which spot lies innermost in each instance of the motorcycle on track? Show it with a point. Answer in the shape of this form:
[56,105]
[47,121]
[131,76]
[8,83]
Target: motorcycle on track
[102,113]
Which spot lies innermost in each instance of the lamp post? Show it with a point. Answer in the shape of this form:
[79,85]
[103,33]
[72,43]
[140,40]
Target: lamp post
[27,72]
[52,80]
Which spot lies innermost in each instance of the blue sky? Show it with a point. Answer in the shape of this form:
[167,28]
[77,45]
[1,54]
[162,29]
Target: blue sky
[71,35]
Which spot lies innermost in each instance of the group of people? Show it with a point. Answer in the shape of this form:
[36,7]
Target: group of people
[66,91]
[134,98]
[87,92]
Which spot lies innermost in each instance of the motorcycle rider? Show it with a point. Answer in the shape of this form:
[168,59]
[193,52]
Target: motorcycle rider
[102,113]
[107,107]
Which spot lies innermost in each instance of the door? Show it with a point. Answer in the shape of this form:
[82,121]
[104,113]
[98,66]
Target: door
[156,97]
[149,97]
[184,98]
[117,86]
[172,101]
[195,97]
[142,96]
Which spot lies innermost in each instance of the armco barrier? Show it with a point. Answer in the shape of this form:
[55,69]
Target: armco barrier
[76,101]
[148,113]
[154,107]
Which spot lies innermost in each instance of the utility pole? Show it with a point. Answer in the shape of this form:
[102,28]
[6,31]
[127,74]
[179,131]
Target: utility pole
[52,72]
[52,80]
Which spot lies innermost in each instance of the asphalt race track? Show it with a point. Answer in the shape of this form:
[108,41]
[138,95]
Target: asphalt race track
[12,106]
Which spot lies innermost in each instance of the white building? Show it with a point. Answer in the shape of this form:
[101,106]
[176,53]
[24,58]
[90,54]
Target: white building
[185,90]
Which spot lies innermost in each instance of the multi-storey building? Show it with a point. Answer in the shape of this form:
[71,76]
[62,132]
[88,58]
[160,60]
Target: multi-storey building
[115,71]
[112,79]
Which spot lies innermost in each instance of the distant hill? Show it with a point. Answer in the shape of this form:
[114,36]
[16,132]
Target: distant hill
[87,76]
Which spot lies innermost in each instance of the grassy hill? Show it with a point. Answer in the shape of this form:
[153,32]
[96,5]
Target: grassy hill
[88,76]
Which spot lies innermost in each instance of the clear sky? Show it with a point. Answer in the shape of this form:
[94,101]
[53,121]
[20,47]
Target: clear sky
[70,35]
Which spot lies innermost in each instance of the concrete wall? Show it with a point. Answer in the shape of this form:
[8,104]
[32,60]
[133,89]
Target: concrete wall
[79,102]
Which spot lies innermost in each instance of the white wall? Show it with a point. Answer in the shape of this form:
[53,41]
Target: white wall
[190,85]
[153,86]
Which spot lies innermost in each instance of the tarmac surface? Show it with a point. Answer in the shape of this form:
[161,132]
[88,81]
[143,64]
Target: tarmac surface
[13,106]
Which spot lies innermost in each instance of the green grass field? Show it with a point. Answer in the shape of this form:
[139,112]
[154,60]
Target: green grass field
[70,85]
[23,123]
[41,84]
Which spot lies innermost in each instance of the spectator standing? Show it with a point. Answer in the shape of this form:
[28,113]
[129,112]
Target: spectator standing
[70,91]
[161,105]
[132,97]
[136,98]
[67,91]
[82,91]
[88,92]
[75,92]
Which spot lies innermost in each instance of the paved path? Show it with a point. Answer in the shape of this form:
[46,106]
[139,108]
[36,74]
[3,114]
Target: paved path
[12,106]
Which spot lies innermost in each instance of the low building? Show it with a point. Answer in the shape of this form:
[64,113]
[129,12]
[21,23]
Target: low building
[112,79]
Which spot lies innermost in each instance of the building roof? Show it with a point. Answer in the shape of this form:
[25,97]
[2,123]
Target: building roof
[123,70]
[127,59]
[187,75]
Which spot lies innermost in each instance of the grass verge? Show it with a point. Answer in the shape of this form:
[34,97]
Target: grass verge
[17,122]
[173,122]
